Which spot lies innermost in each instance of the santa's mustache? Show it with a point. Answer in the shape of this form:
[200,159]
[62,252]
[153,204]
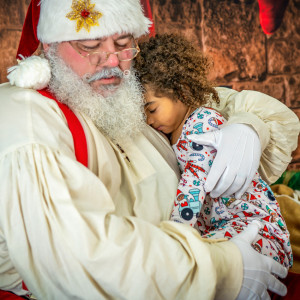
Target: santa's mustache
[104,73]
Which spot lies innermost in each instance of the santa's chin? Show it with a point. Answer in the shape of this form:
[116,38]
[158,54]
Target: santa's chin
[106,86]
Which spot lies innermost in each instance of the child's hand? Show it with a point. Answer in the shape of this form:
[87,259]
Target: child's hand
[238,155]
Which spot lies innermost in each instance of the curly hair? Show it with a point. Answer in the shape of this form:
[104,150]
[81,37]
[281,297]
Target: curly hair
[171,66]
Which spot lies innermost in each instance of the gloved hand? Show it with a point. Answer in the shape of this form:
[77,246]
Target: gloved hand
[238,155]
[258,268]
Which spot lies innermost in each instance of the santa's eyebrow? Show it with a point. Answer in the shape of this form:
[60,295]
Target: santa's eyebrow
[126,35]
[123,37]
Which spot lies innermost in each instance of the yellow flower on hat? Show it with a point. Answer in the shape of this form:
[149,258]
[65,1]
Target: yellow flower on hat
[83,11]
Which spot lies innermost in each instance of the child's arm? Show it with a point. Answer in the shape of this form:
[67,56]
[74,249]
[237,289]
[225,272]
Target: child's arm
[197,161]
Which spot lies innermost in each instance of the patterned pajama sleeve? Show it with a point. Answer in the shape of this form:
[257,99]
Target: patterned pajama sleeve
[195,162]
[224,217]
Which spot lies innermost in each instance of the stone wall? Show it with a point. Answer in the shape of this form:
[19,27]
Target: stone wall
[244,57]
[227,30]
[12,15]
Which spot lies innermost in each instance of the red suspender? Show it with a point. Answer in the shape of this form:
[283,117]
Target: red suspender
[4,295]
[75,127]
[81,154]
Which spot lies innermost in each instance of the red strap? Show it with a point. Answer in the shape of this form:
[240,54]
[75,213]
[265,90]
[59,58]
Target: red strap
[81,154]
[76,129]
[4,295]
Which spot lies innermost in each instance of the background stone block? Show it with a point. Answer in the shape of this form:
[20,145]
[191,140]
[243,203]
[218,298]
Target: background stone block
[9,40]
[283,56]
[232,31]
[273,86]
[12,13]
[283,48]
[178,16]
[293,90]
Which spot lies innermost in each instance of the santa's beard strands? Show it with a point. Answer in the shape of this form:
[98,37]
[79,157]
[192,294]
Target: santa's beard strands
[105,89]
[119,114]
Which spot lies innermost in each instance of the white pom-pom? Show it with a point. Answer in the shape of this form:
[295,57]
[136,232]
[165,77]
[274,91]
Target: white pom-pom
[32,72]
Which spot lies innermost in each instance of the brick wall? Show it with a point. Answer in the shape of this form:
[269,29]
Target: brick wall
[227,30]
[244,57]
[12,15]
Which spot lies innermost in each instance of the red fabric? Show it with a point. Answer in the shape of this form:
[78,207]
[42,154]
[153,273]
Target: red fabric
[148,14]
[4,295]
[76,129]
[24,287]
[81,154]
[271,13]
[29,41]
[292,282]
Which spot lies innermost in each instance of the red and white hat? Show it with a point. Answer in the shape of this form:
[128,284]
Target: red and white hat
[51,21]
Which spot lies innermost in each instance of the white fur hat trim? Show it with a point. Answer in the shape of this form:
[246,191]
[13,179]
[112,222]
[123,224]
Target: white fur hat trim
[32,72]
[117,16]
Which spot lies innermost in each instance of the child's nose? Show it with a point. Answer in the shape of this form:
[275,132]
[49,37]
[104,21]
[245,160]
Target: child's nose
[149,120]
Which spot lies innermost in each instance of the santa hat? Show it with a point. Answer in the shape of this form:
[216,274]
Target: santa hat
[178,192]
[51,21]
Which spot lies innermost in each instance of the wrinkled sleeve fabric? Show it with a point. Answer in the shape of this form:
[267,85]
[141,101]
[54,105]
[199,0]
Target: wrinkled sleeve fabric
[60,233]
[276,125]
[66,243]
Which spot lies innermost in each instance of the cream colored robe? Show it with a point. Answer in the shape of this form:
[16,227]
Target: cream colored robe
[103,233]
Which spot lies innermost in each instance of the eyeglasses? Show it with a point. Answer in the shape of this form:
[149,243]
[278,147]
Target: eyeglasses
[100,57]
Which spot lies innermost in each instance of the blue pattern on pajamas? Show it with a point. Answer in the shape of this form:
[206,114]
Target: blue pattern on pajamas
[224,216]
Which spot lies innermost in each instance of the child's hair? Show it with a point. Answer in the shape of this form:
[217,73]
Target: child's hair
[171,66]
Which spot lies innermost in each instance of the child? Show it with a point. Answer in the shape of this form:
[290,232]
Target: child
[174,76]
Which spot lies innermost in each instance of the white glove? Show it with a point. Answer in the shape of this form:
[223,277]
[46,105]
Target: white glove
[238,155]
[258,268]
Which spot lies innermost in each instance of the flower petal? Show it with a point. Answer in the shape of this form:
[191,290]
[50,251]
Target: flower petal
[79,24]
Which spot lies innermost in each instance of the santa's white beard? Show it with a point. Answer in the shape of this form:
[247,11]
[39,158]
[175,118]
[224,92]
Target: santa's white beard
[119,114]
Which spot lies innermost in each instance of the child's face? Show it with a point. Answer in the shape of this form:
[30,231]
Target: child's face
[163,113]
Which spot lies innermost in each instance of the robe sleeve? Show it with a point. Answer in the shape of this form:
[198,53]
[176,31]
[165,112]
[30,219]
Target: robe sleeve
[63,238]
[60,231]
[276,125]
